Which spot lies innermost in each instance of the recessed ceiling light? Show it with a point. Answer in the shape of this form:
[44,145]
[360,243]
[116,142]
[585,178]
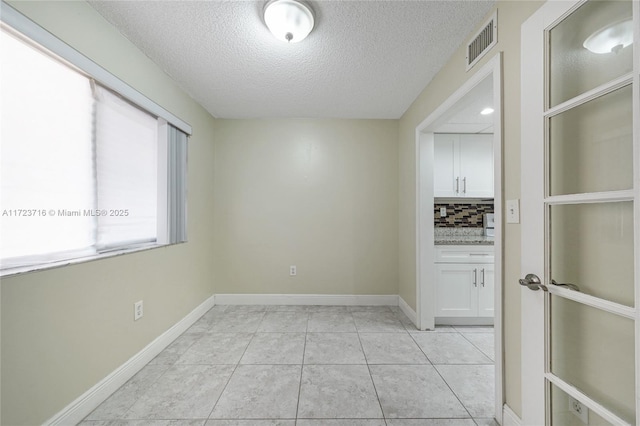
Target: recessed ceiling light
[288,20]
[612,38]
[487,111]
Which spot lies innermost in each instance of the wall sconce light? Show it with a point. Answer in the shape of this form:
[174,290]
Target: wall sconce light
[288,20]
[612,38]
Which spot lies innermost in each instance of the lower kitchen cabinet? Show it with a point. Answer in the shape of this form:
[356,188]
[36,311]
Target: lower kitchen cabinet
[486,296]
[464,285]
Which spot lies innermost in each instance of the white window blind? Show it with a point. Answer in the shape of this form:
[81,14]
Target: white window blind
[46,162]
[126,140]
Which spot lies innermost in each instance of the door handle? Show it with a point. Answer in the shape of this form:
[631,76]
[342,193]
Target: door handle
[464,185]
[568,285]
[482,282]
[475,277]
[458,185]
[532,282]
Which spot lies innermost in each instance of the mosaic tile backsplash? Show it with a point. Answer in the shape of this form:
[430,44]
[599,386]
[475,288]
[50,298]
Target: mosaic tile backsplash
[461,215]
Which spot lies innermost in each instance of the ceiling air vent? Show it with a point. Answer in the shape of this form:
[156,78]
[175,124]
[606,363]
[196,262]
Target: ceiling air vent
[483,41]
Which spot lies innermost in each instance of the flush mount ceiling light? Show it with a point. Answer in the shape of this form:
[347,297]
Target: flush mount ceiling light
[288,20]
[487,111]
[612,38]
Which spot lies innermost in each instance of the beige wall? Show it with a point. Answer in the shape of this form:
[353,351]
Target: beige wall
[318,194]
[65,329]
[511,14]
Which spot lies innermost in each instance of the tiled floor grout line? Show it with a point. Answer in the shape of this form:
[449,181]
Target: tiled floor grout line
[435,367]
[304,350]
[143,393]
[443,379]
[253,335]
[420,347]
[169,366]
[373,383]
[478,348]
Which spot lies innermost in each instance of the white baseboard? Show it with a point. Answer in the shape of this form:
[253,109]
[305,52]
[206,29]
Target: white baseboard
[410,313]
[464,321]
[509,418]
[89,401]
[306,299]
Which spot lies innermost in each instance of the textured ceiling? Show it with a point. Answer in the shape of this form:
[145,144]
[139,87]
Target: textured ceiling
[364,59]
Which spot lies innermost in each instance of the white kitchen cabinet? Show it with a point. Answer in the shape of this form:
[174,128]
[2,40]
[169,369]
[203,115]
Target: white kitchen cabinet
[456,295]
[463,165]
[486,287]
[464,282]
[446,165]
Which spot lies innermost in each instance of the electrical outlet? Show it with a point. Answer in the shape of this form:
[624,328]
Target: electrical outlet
[579,410]
[443,212]
[293,270]
[138,310]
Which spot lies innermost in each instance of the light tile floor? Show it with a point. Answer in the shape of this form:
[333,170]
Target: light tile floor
[311,366]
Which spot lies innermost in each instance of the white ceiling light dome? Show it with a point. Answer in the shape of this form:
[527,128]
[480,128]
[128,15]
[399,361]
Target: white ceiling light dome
[611,38]
[288,20]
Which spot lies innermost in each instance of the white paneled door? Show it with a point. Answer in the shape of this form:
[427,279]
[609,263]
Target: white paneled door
[580,209]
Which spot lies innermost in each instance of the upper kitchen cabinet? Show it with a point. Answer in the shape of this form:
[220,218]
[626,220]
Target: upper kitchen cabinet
[463,165]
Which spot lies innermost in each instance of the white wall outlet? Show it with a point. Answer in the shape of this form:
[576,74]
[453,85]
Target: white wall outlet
[443,212]
[513,211]
[293,270]
[138,310]
[579,410]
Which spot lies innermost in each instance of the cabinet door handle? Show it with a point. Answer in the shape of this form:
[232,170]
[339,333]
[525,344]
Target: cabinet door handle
[464,185]
[475,277]
[457,185]
[482,277]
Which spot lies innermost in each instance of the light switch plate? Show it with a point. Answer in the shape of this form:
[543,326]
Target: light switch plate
[513,211]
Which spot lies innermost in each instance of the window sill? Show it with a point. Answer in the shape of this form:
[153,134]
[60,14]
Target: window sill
[19,270]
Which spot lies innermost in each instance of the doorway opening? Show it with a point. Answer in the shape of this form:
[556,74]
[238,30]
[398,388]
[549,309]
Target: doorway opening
[485,86]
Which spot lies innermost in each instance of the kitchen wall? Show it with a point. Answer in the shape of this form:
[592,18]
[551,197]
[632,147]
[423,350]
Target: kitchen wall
[65,329]
[511,15]
[461,215]
[318,194]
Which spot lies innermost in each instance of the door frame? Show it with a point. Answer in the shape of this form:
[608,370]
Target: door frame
[425,250]
[534,341]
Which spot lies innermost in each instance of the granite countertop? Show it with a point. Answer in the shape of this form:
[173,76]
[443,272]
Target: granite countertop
[461,236]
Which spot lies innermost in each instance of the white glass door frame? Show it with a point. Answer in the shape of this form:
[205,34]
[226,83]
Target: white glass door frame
[533,137]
